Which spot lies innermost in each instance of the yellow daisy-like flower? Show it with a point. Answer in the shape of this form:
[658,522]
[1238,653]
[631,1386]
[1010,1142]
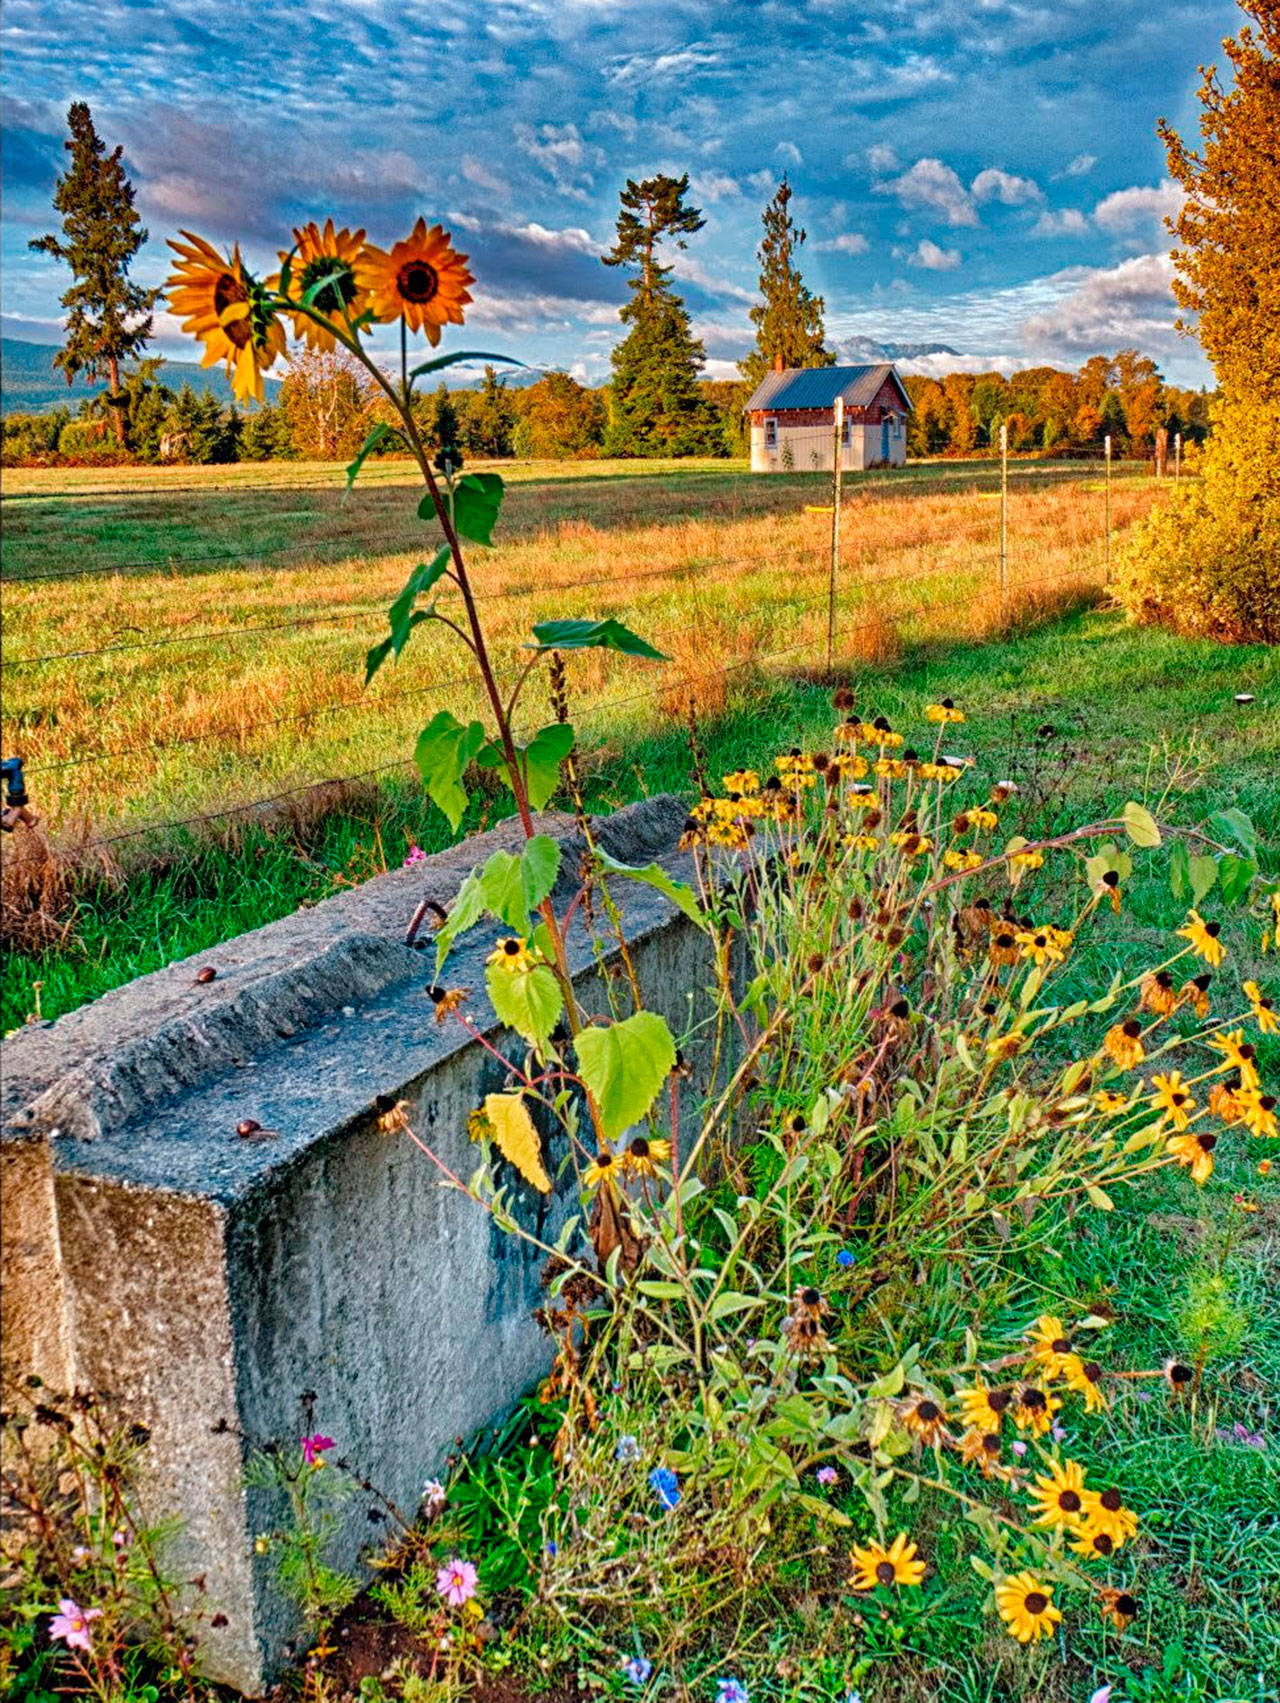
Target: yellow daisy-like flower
[1026,1607]
[604,1168]
[890,768]
[1084,1377]
[1264,1011]
[220,302]
[1119,1607]
[849,765]
[1238,1054]
[954,859]
[422,280]
[983,1409]
[1109,1102]
[1158,993]
[1027,860]
[1224,1103]
[643,1154]
[1123,1043]
[1104,1511]
[861,798]
[1094,1545]
[1204,938]
[1041,945]
[944,712]
[983,818]
[319,254]
[874,1565]
[943,771]
[1257,1111]
[1058,1497]
[1172,1099]
[1003,947]
[1033,1409]
[862,842]
[1196,994]
[925,1418]
[981,1449]
[910,843]
[512,954]
[742,781]
[1050,1345]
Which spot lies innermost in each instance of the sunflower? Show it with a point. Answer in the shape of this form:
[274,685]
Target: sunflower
[1026,1607]
[1123,1043]
[422,280]
[1179,1377]
[1195,1150]
[953,859]
[742,781]
[1104,1511]
[1084,1377]
[1238,1054]
[982,1409]
[1109,1102]
[1264,1011]
[1004,947]
[1119,1607]
[604,1168]
[1058,1497]
[925,1418]
[943,771]
[447,1001]
[643,1154]
[802,1325]
[320,254]
[223,304]
[1027,860]
[1033,1409]
[1172,1100]
[876,1565]
[1159,994]
[1041,945]
[512,954]
[1258,1111]
[1204,938]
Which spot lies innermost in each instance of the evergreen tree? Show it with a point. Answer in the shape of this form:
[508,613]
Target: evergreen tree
[788,322]
[490,418]
[656,405]
[108,316]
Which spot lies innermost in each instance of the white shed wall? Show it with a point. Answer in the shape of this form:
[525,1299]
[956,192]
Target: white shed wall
[808,449]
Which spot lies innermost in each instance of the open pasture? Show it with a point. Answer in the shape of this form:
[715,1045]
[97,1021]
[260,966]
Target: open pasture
[182,640]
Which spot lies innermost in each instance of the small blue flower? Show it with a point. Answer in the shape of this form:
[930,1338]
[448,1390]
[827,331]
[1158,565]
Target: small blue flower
[731,1691]
[666,1486]
[854,1697]
[638,1670]
[845,1258]
[628,1448]
[551,1547]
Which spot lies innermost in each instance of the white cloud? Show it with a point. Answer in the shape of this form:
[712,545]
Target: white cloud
[1002,186]
[940,364]
[848,242]
[1065,222]
[764,181]
[932,185]
[933,258]
[561,152]
[880,157]
[789,152]
[1108,308]
[715,186]
[1126,208]
[660,67]
[478,174]
[1081,166]
[684,265]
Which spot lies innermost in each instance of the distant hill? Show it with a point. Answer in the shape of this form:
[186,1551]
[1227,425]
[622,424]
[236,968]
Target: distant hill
[31,384]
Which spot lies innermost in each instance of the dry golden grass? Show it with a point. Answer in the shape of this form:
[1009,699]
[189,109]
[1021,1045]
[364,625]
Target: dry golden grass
[225,680]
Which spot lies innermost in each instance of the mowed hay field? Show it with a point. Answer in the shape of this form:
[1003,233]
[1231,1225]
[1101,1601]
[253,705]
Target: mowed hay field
[182,640]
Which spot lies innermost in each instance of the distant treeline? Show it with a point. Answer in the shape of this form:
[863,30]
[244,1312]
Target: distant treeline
[327,406]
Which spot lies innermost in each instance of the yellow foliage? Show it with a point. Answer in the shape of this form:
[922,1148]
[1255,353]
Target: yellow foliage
[516,1138]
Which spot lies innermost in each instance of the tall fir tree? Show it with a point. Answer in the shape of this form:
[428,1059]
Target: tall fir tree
[656,405]
[789,319]
[108,316]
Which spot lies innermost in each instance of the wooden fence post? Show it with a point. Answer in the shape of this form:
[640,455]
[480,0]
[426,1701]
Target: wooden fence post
[837,471]
[1106,558]
[1004,511]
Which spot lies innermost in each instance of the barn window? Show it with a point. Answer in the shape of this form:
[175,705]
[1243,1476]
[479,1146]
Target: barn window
[845,433]
[771,434]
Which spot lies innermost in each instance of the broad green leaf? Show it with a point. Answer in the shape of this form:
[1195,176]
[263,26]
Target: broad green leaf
[477,497]
[375,437]
[657,1289]
[1180,872]
[442,753]
[1100,1198]
[423,577]
[465,911]
[1236,875]
[540,863]
[1236,828]
[889,1385]
[375,658]
[578,634]
[1108,860]
[1140,825]
[624,1066]
[542,759]
[1203,872]
[516,1138]
[528,1001]
[654,875]
[434,366]
[502,879]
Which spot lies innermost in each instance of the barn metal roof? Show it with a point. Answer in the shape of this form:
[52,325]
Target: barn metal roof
[818,387]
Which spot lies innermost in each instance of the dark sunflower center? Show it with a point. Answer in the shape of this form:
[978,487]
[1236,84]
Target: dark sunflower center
[339,292]
[1035,1602]
[1126,1605]
[1110,1500]
[1180,1374]
[991,1443]
[1069,1502]
[1213,929]
[1133,1029]
[1092,1371]
[417,282]
[604,1160]
[511,948]
[928,1411]
[1177,1099]
[1102,1543]
[885,1573]
[811,1297]
[227,292]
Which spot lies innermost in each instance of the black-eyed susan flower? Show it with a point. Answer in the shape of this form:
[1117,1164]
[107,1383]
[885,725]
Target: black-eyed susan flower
[1109,1102]
[1093,1545]
[512,954]
[1123,1043]
[981,1449]
[1034,1408]
[1050,1344]
[802,1327]
[943,713]
[795,769]
[1257,1111]
[1084,1377]
[874,1565]
[1194,1149]
[1172,1099]
[1041,945]
[1104,1511]
[743,781]
[1204,938]
[1196,994]
[220,302]
[1058,1497]
[320,255]
[1107,887]
[643,1154]
[943,772]
[1224,1103]
[1263,1009]
[1179,1377]
[924,1418]
[1022,860]
[954,858]
[983,1409]
[447,1001]
[983,818]
[910,843]
[422,280]
[1237,1054]
[1118,1607]
[1158,993]
[1026,1607]
[1003,946]
[605,1168]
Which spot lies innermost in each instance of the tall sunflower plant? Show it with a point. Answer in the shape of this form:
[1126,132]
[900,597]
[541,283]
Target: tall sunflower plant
[332,288]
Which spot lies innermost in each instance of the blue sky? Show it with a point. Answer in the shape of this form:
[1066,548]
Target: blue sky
[978,173]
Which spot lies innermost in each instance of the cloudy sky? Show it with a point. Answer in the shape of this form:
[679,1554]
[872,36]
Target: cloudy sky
[982,174]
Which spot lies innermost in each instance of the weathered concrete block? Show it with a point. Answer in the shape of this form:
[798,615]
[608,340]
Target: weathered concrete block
[207,1280]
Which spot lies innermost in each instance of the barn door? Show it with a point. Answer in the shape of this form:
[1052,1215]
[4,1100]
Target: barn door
[884,440]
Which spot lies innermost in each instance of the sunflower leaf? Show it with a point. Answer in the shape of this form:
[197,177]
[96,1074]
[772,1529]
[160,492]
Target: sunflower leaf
[516,1138]
[375,437]
[1203,872]
[624,1066]
[477,497]
[542,759]
[528,1001]
[465,911]
[1140,824]
[1236,877]
[442,753]
[654,875]
[439,361]
[580,634]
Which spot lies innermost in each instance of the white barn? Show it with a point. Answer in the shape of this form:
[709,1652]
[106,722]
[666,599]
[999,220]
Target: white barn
[793,419]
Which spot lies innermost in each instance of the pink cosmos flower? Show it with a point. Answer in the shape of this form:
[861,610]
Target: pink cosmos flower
[313,1448]
[71,1624]
[416,855]
[827,1475]
[456,1582]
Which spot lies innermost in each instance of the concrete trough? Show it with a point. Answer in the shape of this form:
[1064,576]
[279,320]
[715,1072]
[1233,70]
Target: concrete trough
[206,1280]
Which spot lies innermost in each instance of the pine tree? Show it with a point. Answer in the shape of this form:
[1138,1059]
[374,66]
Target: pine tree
[656,405]
[789,321]
[108,316]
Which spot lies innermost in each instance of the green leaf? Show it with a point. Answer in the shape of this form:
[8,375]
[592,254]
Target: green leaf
[465,911]
[477,497]
[1100,1198]
[1180,872]
[442,753]
[502,880]
[375,437]
[1236,875]
[1203,872]
[528,1001]
[624,1066]
[1140,825]
[578,634]
[542,759]
[540,864]
[313,291]
[1234,826]
[423,577]
[434,366]
[654,875]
